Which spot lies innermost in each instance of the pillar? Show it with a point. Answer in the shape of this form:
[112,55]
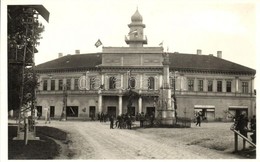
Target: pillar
[140,100]
[100,103]
[120,105]
[236,84]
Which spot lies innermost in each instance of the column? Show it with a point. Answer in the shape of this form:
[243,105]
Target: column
[100,103]
[140,100]
[236,84]
[141,81]
[224,85]
[120,105]
[56,84]
[49,84]
[160,81]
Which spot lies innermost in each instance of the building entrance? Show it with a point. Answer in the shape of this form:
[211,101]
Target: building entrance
[111,110]
[92,111]
[131,111]
[150,110]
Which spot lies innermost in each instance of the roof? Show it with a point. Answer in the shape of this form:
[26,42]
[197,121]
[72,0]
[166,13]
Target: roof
[72,62]
[207,63]
[178,61]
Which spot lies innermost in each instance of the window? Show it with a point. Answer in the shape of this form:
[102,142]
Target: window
[190,85]
[219,86]
[228,86]
[76,84]
[151,83]
[112,83]
[210,86]
[244,87]
[60,84]
[131,82]
[68,84]
[45,83]
[52,85]
[200,86]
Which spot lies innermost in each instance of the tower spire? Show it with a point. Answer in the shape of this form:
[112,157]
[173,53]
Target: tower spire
[135,36]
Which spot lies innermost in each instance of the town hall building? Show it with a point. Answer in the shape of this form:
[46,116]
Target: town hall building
[83,84]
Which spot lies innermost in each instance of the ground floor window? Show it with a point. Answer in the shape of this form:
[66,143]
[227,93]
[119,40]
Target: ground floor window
[72,111]
[206,113]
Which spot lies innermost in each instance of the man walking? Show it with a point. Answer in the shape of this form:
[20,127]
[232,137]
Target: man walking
[111,122]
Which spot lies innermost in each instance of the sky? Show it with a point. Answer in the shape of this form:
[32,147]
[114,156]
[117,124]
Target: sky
[183,26]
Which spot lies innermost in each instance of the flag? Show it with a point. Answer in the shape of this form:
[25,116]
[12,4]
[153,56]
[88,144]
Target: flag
[98,43]
[161,44]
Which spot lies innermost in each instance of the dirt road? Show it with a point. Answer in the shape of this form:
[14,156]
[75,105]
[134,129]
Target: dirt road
[95,140]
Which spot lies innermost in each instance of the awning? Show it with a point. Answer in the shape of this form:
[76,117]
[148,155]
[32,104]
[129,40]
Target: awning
[238,107]
[204,106]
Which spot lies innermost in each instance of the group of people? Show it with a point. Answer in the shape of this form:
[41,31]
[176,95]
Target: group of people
[102,117]
[126,120]
[241,124]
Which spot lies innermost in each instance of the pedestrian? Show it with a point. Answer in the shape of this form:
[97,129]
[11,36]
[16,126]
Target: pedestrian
[198,119]
[47,116]
[102,117]
[142,118]
[253,129]
[129,121]
[98,116]
[242,124]
[111,122]
[152,117]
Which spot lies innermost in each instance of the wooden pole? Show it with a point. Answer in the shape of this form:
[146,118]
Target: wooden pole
[236,141]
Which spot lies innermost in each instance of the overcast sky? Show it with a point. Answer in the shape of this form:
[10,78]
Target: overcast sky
[183,26]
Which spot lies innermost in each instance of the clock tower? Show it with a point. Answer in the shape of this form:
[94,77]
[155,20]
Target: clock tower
[135,37]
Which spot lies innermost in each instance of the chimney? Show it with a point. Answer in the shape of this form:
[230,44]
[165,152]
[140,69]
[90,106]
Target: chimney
[60,55]
[199,51]
[77,52]
[219,54]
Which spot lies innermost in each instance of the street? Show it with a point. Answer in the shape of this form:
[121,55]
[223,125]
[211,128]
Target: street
[95,140]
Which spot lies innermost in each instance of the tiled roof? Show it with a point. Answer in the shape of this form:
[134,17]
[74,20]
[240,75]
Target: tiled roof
[178,61]
[207,63]
[71,62]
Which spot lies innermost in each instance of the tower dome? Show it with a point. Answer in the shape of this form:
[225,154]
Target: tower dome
[137,17]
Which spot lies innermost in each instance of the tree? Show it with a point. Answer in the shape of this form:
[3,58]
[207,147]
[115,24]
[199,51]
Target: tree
[24,31]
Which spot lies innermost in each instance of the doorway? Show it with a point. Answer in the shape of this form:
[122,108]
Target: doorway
[111,110]
[150,110]
[92,111]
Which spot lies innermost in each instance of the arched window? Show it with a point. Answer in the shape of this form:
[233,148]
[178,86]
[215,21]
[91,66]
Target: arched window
[151,83]
[131,83]
[112,83]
